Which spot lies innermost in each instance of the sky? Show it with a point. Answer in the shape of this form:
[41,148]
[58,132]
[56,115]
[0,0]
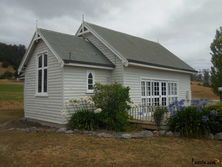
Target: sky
[185,27]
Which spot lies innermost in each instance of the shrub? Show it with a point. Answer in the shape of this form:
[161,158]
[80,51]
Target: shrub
[215,107]
[83,119]
[159,115]
[214,114]
[114,101]
[189,122]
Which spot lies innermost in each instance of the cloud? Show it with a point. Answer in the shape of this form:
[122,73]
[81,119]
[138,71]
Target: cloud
[190,32]
[185,27]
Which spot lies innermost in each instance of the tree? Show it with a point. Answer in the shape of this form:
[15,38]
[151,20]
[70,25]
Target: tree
[216,69]
[11,54]
[197,77]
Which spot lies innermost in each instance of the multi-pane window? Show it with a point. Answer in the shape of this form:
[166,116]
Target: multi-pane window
[42,73]
[90,82]
[157,92]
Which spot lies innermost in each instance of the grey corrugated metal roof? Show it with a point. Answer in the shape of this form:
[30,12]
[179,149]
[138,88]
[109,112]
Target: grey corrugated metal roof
[140,50]
[81,50]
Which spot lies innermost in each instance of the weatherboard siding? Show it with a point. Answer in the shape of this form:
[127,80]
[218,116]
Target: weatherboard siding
[75,80]
[44,108]
[133,75]
[117,73]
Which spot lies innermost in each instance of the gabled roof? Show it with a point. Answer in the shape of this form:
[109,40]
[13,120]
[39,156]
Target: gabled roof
[68,49]
[138,50]
[72,49]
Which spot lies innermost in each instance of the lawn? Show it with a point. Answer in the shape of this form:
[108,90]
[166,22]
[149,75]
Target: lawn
[53,149]
[11,91]
[23,149]
[11,100]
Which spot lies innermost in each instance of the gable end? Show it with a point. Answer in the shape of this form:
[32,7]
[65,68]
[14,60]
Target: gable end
[36,37]
[85,28]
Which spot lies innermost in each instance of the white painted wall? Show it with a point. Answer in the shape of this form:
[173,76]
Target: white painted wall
[117,73]
[133,75]
[44,108]
[75,80]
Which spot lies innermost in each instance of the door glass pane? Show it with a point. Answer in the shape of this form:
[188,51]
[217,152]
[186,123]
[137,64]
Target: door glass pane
[156,101]
[163,101]
[148,89]
[156,88]
[148,101]
[143,88]
[163,86]
[143,101]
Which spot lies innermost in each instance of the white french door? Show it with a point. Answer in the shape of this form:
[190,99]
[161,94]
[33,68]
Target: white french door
[156,92]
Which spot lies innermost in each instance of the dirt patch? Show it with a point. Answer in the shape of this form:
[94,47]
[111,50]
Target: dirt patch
[23,123]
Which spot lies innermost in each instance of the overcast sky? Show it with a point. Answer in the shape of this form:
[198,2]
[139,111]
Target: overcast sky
[185,27]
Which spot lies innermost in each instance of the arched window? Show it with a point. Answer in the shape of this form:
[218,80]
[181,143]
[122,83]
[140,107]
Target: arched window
[90,82]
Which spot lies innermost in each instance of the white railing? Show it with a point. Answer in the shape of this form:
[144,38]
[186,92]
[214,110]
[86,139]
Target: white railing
[142,112]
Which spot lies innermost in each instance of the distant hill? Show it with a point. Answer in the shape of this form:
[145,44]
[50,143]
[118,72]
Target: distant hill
[4,69]
[202,92]
[11,55]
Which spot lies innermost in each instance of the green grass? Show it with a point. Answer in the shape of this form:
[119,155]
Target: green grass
[11,100]
[11,91]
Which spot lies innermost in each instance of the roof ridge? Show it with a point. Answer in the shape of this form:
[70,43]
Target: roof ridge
[134,36]
[54,31]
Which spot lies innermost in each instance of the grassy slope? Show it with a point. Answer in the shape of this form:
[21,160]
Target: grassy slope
[11,100]
[202,92]
[22,149]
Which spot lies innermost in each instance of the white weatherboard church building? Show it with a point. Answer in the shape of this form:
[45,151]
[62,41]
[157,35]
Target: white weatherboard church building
[60,66]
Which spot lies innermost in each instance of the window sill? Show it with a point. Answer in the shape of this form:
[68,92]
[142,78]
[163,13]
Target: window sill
[41,95]
[90,92]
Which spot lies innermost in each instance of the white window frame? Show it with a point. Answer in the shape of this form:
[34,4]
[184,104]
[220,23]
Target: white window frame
[172,94]
[152,97]
[42,93]
[93,75]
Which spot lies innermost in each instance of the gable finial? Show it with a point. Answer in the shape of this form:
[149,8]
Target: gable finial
[82,17]
[36,24]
